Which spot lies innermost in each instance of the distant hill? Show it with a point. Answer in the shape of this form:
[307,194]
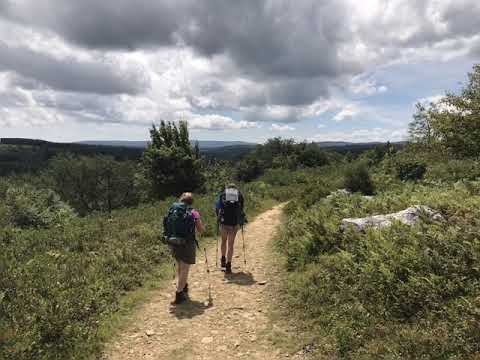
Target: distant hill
[25,155]
[231,152]
[327,144]
[203,144]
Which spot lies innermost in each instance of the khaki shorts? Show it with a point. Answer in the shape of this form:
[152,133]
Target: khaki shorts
[229,229]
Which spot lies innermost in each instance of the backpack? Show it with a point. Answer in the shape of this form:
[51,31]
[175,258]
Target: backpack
[179,225]
[231,212]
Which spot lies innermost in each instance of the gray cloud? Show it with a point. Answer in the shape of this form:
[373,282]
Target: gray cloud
[279,38]
[70,74]
[275,53]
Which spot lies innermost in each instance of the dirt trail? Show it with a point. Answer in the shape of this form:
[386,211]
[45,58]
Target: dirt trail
[234,326]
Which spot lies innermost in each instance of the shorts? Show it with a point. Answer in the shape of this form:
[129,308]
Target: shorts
[229,229]
[185,253]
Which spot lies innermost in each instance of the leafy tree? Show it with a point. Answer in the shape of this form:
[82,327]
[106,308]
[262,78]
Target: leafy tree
[248,169]
[170,164]
[93,183]
[421,130]
[280,153]
[453,124]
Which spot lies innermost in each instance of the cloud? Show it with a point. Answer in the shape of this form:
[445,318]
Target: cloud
[217,122]
[278,127]
[70,74]
[348,112]
[363,135]
[134,62]
[366,86]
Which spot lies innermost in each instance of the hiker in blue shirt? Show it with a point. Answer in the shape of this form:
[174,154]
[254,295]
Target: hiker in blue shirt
[230,216]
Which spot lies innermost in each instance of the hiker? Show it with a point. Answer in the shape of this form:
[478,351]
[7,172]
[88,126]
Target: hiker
[180,227]
[230,215]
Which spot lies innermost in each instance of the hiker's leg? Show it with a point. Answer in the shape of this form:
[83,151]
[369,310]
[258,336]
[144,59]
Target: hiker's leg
[182,275]
[231,242]
[223,246]
[179,269]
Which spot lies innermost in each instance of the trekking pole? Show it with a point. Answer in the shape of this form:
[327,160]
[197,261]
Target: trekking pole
[243,241]
[216,252]
[208,278]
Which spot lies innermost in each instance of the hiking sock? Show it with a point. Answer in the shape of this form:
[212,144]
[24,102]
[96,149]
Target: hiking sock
[228,268]
[223,262]
[179,298]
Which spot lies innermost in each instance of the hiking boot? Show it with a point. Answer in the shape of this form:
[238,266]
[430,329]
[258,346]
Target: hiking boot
[223,262]
[179,298]
[185,289]
[228,268]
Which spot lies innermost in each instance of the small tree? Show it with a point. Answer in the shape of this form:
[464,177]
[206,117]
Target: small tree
[357,179]
[453,124]
[421,129]
[171,164]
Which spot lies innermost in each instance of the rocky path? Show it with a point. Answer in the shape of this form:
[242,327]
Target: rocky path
[232,325]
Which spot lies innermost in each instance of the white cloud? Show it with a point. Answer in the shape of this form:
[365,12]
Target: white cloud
[255,68]
[348,112]
[278,127]
[366,86]
[363,135]
[217,122]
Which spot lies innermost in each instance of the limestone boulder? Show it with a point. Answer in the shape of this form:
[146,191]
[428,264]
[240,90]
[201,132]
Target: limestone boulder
[408,216]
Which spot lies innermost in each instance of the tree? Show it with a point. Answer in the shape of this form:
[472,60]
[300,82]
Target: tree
[421,130]
[96,183]
[453,124]
[170,164]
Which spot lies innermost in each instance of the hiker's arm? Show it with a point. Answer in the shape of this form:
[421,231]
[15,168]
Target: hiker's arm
[199,226]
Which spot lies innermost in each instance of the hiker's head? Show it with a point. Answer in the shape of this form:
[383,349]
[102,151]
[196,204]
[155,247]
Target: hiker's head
[187,198]
[231,186]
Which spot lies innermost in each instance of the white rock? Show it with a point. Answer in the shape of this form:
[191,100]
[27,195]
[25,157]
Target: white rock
[408,216]
[339,192]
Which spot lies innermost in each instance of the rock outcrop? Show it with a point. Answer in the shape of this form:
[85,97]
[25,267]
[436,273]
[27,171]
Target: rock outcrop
[408,216]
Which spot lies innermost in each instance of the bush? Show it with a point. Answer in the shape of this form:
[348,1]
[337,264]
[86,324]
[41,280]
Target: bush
[357,179]
[399,292]
[29,207]
[454,170]
[413,170]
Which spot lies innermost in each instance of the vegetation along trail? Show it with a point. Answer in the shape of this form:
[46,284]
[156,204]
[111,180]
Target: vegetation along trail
[234,325]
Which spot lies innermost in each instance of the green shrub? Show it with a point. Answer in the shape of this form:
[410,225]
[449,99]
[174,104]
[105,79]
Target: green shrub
[29,207]
[357,179]
[454,170]
[410,170]
[399,292]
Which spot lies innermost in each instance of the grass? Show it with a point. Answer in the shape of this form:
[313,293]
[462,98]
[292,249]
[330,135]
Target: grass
[397,293]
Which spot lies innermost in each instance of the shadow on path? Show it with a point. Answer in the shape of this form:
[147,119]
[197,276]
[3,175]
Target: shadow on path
[190,309]
[240,278]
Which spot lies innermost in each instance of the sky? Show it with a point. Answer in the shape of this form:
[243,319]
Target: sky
[315,70]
